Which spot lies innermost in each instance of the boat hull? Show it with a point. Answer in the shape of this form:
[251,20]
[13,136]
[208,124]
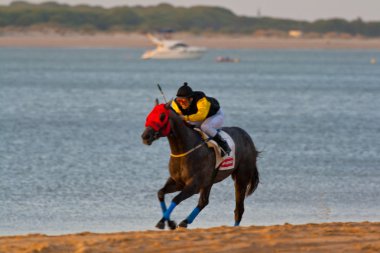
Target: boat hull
[162,55]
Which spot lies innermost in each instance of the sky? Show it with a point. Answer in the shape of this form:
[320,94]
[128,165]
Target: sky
[310,10]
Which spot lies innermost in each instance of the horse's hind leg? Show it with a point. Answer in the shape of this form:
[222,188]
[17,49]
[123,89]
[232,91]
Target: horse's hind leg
[202,203]
[169,187]
[240,192]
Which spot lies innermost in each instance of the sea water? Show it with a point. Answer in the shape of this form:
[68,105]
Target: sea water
[72,159]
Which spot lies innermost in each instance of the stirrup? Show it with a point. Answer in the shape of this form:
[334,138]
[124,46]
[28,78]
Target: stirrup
[227,149]
[223,152]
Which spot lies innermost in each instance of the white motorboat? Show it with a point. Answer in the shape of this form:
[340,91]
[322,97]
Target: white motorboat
[172,49]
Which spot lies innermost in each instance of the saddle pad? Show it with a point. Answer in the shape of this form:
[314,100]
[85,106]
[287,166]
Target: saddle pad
[226,162]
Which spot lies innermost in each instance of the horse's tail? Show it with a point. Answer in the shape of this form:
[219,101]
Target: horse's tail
[254,180]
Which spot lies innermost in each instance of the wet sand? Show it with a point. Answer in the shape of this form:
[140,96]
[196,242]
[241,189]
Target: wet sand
[134,40]
[326,237]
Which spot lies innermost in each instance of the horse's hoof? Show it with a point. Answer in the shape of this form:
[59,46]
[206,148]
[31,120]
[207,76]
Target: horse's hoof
[161,224]
[183,224]
[172,224]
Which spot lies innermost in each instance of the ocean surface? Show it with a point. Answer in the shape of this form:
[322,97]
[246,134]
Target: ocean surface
[72,159]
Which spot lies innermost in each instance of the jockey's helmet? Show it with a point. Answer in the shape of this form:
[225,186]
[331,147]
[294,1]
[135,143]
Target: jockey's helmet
[184,91]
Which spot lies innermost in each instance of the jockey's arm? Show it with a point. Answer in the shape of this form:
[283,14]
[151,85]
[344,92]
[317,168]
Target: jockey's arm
[175,107]
[203,106]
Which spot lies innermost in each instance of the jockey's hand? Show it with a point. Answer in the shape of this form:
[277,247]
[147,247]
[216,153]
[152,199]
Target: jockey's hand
[182,117]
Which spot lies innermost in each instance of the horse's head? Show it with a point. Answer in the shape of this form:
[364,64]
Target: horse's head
[157,124]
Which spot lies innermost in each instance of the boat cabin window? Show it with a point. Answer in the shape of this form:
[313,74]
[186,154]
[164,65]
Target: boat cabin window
[179,45]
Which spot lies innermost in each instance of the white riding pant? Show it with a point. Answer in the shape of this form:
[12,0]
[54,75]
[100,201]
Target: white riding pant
[211,125]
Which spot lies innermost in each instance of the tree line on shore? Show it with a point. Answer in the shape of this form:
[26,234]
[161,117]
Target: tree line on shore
[197,19]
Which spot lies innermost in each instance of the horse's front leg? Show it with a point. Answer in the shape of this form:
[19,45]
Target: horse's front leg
[202,203]
[169,187]
[189,190]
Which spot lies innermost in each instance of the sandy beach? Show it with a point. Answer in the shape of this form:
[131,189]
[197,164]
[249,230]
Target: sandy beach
[325,237]
[134,40]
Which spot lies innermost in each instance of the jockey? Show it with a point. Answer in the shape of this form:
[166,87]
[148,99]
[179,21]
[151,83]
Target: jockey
[201,111]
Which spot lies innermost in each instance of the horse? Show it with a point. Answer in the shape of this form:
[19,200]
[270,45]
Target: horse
[192,164]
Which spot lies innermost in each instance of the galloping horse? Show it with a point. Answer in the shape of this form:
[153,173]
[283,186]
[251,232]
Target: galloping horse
[192,164]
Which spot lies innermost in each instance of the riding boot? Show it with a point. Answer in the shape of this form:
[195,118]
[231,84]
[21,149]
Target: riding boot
[222,143]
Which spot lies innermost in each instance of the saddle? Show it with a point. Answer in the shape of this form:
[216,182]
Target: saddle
[226,162]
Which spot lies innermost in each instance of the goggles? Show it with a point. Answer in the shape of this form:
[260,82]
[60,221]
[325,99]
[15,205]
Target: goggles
[182,100]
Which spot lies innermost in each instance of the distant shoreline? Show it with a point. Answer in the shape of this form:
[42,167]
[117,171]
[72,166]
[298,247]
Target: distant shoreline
[324,237]
[135,40]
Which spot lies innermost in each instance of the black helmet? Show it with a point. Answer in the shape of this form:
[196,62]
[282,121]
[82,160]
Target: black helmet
[184,91]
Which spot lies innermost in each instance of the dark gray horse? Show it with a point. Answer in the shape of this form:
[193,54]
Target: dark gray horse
[192,164]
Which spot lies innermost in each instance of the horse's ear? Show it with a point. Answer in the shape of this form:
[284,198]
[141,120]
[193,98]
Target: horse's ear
[168,104]
[162,117]
[156,102]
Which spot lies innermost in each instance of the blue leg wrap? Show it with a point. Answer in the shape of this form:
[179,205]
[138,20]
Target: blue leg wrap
[193,214]
[169,211]
[237,224]
[163,207]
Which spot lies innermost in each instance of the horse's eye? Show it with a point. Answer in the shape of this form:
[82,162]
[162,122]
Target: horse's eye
[162,117]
